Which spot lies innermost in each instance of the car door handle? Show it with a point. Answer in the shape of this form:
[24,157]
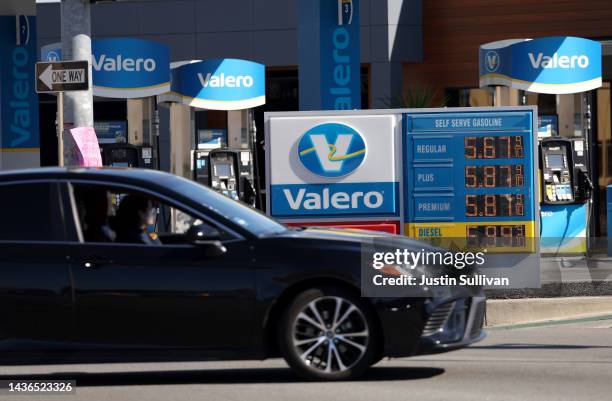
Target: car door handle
[93,262]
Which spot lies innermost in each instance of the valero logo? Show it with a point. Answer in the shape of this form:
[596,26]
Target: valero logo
[331,150]
[492,61]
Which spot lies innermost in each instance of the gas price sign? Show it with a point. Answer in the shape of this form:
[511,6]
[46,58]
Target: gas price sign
[471,175]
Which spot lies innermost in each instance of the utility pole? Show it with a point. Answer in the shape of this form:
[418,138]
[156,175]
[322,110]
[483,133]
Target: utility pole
[76,45]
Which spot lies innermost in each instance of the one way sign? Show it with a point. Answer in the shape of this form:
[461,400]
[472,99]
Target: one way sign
[62,76]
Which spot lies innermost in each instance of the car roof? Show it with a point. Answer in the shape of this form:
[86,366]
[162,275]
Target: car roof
[120,173]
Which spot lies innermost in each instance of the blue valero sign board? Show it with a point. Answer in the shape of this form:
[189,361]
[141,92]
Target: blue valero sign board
[128,68]
[329,54]
[18,98]
[340,63]
[124,67]
[554,65]
[133,68]
[469,174]
[223,84]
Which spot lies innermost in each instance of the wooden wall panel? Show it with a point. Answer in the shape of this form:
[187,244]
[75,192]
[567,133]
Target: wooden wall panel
[453,30]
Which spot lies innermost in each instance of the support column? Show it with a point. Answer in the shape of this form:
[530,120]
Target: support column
[182,138]
[135,116]
[163,150]
[76,45]
[237,129]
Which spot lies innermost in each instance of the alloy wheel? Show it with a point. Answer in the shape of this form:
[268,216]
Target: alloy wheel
[330,334]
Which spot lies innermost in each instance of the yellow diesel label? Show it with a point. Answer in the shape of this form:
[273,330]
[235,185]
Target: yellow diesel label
[499,236]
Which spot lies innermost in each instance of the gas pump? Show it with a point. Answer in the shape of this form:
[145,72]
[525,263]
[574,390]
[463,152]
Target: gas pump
[200,166]
[126,155]
[206,140]
[120,155]
[557,172]
[231,173]
[565,193]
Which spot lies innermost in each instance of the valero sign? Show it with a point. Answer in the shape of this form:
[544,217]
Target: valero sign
[128,68]
[329,46]
[223,84]
[340,167]
[124,67]
[554,65]
[133,68]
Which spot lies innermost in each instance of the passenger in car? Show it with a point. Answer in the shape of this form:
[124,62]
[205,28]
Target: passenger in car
[131,220]
[95,211]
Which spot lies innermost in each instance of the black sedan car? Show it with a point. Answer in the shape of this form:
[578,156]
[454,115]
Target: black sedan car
[111,265]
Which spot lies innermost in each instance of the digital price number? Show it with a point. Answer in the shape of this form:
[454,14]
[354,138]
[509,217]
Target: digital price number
[494,205]
[496,235]
[507,175]
[494,147]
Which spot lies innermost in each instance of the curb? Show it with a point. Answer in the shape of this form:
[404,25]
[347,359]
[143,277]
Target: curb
[519,311]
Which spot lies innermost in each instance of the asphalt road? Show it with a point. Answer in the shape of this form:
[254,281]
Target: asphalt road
[570,361]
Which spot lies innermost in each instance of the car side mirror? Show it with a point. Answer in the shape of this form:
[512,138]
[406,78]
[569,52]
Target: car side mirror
[207,238]
[212,249]
[202,232]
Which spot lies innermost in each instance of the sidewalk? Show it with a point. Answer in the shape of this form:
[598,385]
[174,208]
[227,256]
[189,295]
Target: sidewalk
[571,287]
[571,276]
[502,312]
[576,269]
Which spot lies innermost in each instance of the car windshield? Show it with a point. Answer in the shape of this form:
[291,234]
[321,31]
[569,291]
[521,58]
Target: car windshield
[246,217]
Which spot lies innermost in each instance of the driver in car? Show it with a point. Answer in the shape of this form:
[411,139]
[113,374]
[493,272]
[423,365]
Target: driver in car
[132,218]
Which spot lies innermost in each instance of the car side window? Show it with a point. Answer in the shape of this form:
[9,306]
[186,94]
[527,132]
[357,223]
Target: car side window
[30,212]
[175,225]
[109,214]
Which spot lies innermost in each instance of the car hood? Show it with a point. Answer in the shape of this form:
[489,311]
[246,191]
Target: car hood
[377,238]
[374,241]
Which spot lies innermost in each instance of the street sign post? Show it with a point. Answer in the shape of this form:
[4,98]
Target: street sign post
[62,76]
[58,77]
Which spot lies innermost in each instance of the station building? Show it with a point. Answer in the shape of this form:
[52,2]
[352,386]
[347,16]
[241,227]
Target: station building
[407,46]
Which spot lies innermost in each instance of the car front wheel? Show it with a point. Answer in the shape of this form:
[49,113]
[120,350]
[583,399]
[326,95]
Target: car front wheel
[328,334]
